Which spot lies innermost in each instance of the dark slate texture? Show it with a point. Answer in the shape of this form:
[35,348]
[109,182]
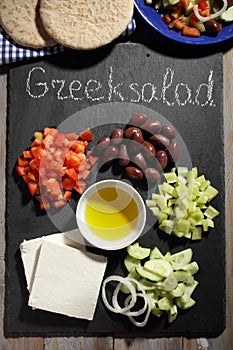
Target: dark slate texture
[189,94]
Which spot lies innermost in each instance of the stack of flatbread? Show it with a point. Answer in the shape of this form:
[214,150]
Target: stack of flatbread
[78,24]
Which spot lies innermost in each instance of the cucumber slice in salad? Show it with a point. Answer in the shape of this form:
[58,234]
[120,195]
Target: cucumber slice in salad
[165,303]
[137,252]
[180,259]
[132,274]
[156,254]
[172,313]
[185,302]
[130,262]
[169,284]
[227,15]
[160,267]
[151,276]
[184,276]
[178,291]
[191,268]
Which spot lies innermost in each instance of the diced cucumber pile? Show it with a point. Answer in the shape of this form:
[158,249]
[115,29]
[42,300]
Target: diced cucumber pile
[167,279]
[182,204]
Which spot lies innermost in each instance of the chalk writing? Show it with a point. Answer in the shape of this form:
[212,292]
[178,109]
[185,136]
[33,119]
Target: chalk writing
[89,90]
[168,90]
[28,86]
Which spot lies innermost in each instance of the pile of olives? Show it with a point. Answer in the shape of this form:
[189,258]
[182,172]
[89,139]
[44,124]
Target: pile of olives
[143,149]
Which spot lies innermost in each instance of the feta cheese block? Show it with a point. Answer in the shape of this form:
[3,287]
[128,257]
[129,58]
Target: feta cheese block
[30,251]
[67,280]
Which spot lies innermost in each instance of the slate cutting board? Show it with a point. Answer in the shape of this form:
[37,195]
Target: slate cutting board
[188,93]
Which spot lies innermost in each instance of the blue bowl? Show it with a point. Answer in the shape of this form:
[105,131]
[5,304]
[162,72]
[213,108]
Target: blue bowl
[152,17]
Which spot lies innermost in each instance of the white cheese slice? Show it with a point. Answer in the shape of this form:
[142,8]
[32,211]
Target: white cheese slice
[67,280]
[30,251]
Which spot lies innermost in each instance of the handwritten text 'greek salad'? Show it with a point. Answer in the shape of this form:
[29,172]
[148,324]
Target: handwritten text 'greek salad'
[166,91]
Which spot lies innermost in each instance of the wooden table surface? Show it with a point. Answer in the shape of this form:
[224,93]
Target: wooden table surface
[223,342]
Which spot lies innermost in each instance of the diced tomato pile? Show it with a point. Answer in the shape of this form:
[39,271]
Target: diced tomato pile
[55,165]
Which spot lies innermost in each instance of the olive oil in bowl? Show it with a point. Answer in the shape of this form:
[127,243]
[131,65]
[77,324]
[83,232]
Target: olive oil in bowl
[111,213]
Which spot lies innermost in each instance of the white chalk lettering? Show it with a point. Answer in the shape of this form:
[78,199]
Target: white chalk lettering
[61,82]
[168,89]
[28,85]
[167,83]
[209,88]
[113,90]
[132,87]
[152,90]
[178,95]
[73,89]
[97,86]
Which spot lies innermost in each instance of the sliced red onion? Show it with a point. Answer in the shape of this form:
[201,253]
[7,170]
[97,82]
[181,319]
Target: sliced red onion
[212,16]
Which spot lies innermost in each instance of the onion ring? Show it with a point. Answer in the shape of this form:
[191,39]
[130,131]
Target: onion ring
[117,306]
[214,15]
[131,288]
[130,301]
[148,304]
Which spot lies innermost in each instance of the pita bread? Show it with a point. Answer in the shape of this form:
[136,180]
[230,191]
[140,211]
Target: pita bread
[21,20]
[82,24]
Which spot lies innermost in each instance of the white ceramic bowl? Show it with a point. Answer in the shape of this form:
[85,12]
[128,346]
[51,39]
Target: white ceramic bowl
[110,244]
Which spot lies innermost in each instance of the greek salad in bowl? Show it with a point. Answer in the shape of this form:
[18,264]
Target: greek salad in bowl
[194,18]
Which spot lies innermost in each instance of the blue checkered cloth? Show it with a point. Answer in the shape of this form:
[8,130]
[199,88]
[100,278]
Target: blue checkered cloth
[11,52]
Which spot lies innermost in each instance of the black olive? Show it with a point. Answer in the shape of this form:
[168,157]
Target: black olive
[212,27]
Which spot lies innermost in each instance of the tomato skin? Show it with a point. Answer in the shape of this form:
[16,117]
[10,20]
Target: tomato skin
[92,160]
[23,162]
[73,160]
[193,19]
[60,140]
[73,145]
[47,141]
[54,189]
[72,136]
[59,203]
[80,186]
[68,184]
[33,175]
[50,131]
[190,31]
[35,164]
[36,143]
[83,174]
[72,174]
[27,154]
[86,135]
[78,146]
[85,165]
[185,3]
[67,195]
[44,204]
[21,170]
[203,5]
[166,18]
[37,152]
[205,13]
[32,187]
[89,153]
[26,178]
